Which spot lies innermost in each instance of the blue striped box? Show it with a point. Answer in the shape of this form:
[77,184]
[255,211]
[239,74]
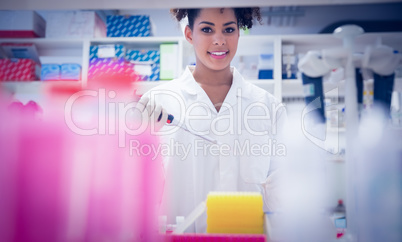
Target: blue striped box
[143,55]
[154,71]
[119,51]
[111,69]
[98,64]
[146,57]
[128,26]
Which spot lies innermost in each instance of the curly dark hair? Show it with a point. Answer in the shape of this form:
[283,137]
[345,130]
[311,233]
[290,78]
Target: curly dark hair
[244,16]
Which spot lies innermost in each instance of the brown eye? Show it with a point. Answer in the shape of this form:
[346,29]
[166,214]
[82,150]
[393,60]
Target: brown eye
[229,30]
[206,30]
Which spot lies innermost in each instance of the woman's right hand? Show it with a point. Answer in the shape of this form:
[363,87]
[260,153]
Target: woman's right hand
[152,112]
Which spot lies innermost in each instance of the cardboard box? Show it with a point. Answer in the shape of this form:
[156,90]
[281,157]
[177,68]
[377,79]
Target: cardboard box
[19,70]
[21,24]
[146,63]
[20,50]
[128,26]
[75,24]
[50,72]
[107,51]
[70,72]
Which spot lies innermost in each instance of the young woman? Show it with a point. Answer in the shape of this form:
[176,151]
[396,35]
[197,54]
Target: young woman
[212,99]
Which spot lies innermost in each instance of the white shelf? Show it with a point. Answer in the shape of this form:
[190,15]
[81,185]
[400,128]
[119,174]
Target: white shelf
[78,49]
[53,47]
[294,88]
[34,87]
[113,40]
[44,41]
[139,42]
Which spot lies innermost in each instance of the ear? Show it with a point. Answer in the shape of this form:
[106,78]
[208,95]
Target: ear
[188,34]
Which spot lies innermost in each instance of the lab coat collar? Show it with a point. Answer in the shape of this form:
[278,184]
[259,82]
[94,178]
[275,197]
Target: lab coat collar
[188,81]
[190,86]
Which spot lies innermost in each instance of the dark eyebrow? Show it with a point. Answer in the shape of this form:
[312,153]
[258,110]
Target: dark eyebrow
[205,22]
[209,23]
[229,23]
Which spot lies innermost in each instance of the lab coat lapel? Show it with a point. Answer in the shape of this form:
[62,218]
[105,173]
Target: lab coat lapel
[193,91]
[187,81]
[228,164]
[236,92]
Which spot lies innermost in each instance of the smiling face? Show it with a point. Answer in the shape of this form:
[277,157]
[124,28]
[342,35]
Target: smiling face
[215,36]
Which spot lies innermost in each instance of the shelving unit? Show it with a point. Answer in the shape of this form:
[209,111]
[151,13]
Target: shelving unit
[78,49]
[337,170]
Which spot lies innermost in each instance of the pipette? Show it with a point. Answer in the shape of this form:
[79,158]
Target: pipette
[172,121]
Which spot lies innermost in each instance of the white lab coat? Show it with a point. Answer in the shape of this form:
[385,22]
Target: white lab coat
[193,166]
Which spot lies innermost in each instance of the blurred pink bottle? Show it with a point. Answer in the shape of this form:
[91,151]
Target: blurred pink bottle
[57,185]
[33,181]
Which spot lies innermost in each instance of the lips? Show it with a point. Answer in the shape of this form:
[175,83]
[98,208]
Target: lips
[218,54]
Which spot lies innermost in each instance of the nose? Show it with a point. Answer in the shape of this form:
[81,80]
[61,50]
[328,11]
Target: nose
[219,39]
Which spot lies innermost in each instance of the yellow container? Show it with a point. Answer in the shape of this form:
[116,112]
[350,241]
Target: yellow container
[235,212]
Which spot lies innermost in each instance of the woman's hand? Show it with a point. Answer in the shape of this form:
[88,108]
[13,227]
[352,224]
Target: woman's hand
[152,113]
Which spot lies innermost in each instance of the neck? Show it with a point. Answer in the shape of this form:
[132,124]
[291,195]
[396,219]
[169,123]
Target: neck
[210,77]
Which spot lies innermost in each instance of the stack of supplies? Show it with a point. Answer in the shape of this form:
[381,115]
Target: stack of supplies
[107,62]
[18,70]
[23,62]
[64,72]
[128,26]
[235,212]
